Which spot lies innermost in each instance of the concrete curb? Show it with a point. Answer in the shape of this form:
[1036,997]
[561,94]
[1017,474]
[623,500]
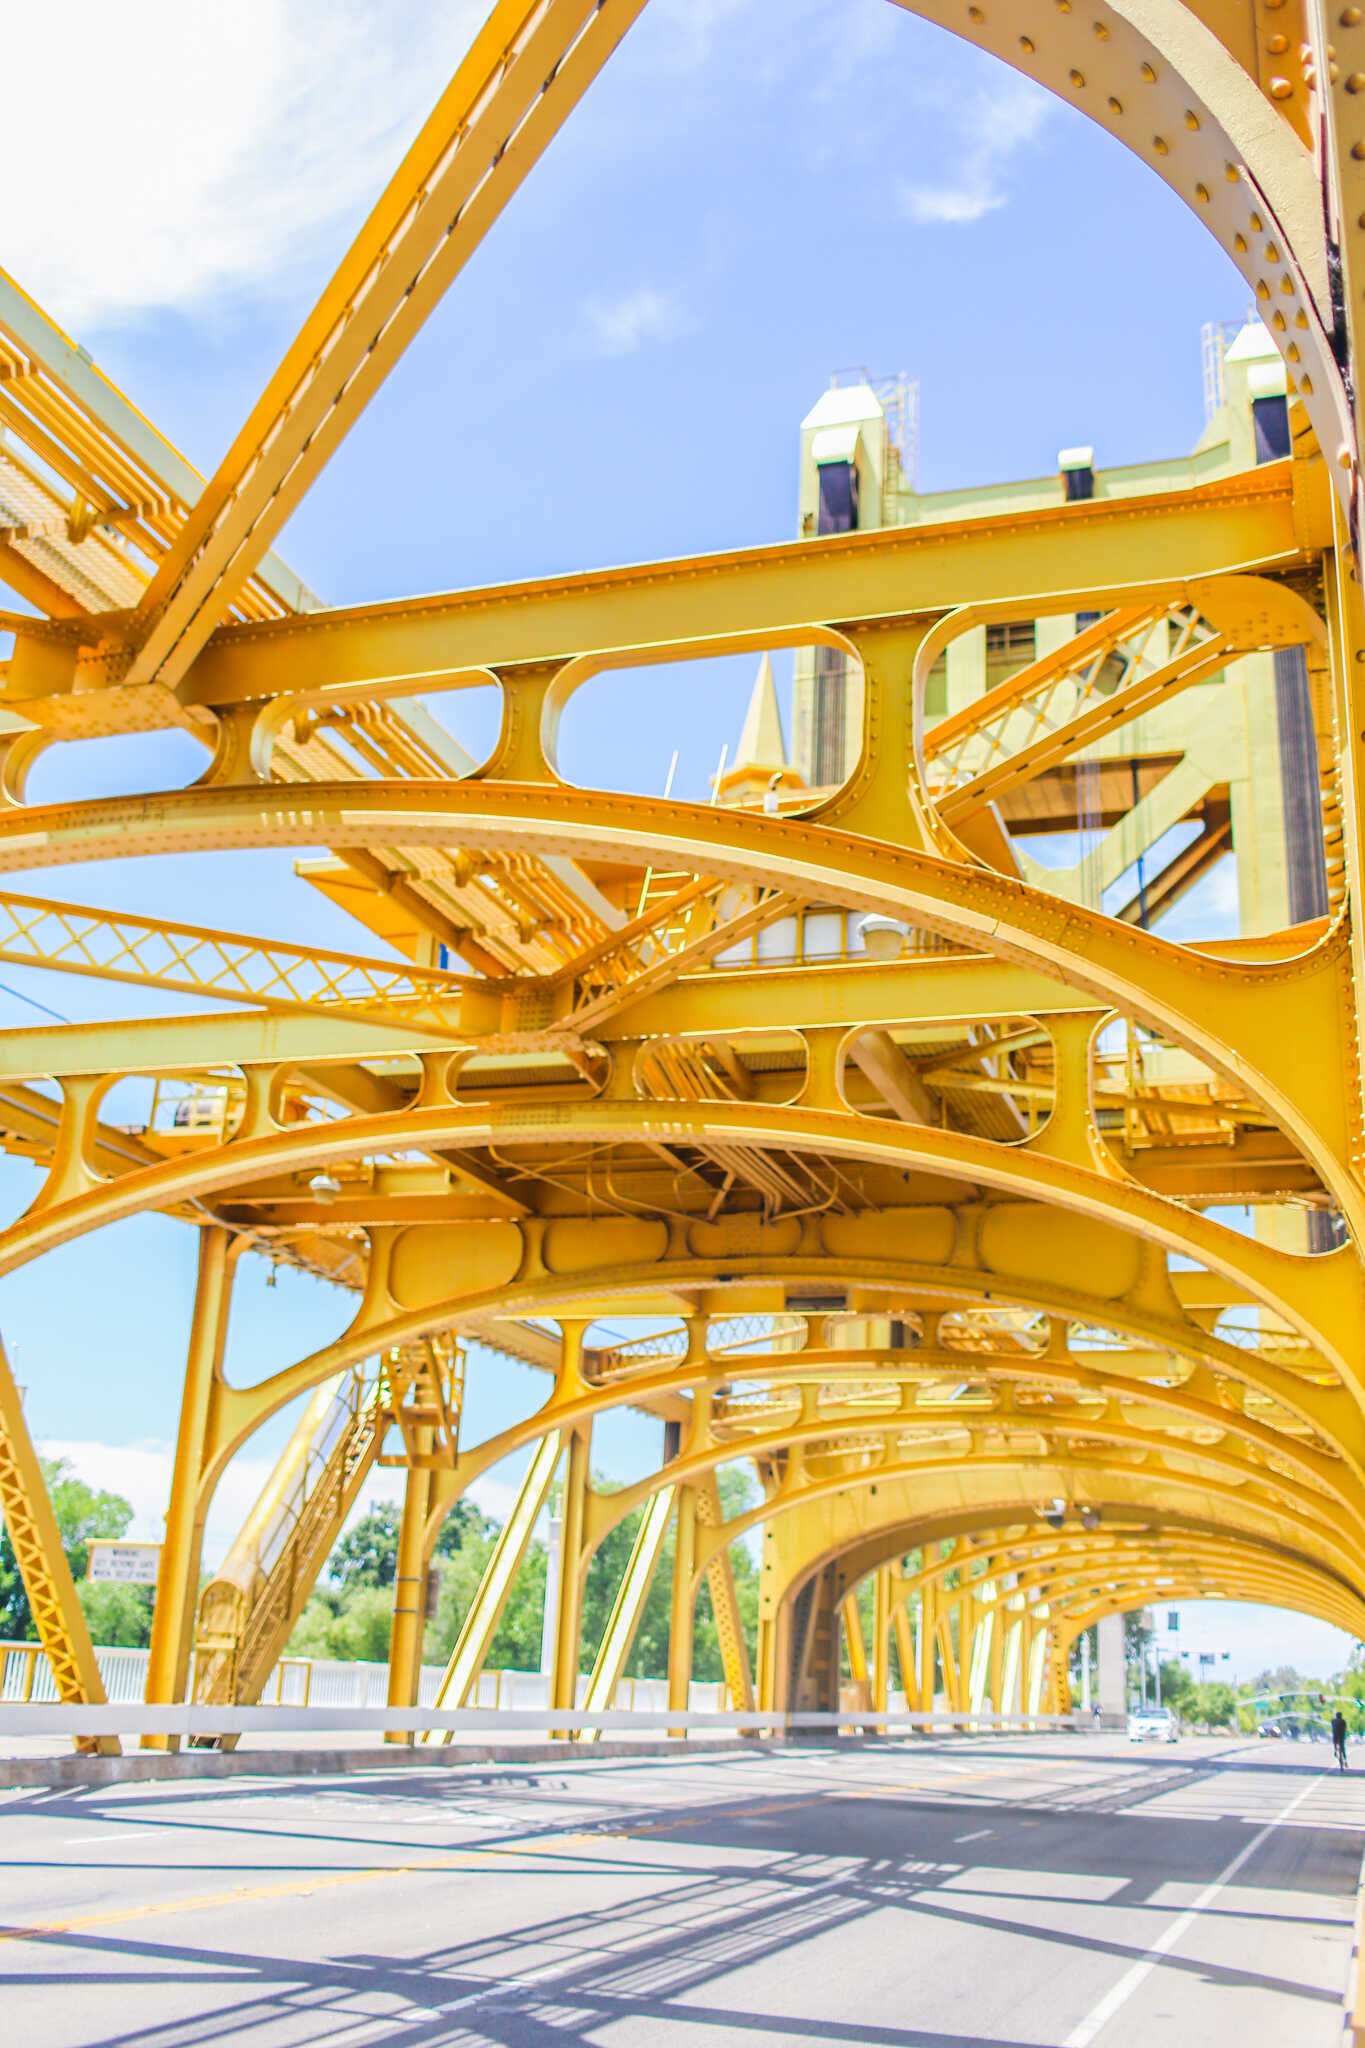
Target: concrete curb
[1353,2033]
[57,1772]
[141,1765]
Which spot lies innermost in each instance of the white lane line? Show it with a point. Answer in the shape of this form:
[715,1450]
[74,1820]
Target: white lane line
[488,1993]
[138,1835]
[1099,2016]
[497,1989]
[978,1835]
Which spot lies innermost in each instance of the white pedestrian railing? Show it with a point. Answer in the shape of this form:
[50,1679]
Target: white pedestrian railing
[314,1695]
[26,1676]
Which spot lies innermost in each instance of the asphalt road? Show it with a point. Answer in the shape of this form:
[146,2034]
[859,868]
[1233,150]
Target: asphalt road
[1054,1892]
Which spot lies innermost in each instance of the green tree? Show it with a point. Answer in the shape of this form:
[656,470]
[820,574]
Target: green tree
[1177,1687]
[368,1554]
[81,1513]
[117,1616]
[516,1642]
[1284,1678]
[1214,1705]
[350,1614]
[649,1654]
[1351,1684]
[354,1625]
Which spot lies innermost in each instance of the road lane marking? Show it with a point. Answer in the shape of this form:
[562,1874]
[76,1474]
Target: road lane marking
[978,1835]
[1099,2016]
[299,1887]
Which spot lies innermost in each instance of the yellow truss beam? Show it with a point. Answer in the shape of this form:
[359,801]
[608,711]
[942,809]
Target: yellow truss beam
[524,73]
[187,959]
[480,1624]
[628,1105]
[628,1606]
[42,1564]
[753,597]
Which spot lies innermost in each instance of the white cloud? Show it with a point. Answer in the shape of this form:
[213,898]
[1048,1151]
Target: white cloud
[622,325]
[161,156]
[994,126]
[682,33]
[141,1472]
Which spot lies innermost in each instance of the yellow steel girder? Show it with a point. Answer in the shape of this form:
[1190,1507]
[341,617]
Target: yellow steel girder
[1257,1455]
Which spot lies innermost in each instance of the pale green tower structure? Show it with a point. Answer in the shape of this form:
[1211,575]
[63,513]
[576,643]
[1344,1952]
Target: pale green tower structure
[1223,779]
[1221,786]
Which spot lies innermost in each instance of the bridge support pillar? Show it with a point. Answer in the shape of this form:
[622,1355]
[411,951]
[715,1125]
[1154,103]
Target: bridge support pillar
[996,1622]
[1113,1671]
[410,1585]
[177,1584]
[572,1566]
[682,1613]
[881,1638]
[905,1654]
[928,1644]
[813,1658]
[720,1580]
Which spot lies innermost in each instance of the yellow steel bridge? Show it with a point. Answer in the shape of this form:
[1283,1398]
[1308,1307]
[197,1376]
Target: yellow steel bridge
[925,1221]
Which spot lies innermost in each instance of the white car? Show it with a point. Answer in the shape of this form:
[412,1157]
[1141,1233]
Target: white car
[1152,1724]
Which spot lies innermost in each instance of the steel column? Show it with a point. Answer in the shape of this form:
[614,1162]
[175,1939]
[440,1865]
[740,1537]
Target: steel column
[177,1586]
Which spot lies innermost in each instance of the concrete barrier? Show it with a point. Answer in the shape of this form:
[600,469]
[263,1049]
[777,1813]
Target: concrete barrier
[191,1721]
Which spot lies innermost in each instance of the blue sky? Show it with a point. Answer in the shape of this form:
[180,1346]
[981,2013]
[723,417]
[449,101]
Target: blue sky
[755,194]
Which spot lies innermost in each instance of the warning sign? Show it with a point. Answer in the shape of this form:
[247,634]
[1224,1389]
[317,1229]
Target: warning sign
[123,1564]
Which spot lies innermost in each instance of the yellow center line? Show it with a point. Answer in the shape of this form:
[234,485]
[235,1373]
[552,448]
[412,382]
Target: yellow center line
[474,1859]
[299,1887]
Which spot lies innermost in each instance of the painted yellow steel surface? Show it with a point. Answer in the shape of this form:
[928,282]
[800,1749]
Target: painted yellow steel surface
[1011,1249]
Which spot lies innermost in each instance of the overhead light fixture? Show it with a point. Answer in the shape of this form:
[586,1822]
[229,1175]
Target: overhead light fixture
[324,1187]
[1090,1518]
[1055,1514]
[883,937]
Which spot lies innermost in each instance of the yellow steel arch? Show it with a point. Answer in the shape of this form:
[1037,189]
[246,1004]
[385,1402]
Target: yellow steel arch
[972,1238]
